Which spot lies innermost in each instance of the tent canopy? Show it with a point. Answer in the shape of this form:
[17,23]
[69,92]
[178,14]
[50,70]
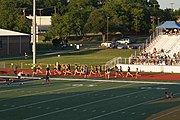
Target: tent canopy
[169,24]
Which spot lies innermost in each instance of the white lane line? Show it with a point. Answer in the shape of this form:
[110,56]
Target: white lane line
[29,107]
[25,95]
[143,113]
[102,115]
[17,88]
[102,100]
[120,81]
[42,92]
[59,98]
[123,112]
[132,113]
[34,103]
[129,107]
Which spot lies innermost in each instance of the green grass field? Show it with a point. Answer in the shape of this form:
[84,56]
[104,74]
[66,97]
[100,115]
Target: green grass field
[82,57]
[84,100]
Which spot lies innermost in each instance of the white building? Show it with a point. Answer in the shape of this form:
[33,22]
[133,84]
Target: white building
[42,22]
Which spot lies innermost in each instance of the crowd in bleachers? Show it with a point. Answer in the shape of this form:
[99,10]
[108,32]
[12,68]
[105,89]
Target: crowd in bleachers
[174,31]
[155,58]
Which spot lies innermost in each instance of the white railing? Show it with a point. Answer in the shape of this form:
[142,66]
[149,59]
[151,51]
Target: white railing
[112,63]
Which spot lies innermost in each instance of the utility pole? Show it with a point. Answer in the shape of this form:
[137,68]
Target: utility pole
[172,6]
[136,26]
[153,17]
[34,36]
[55,10]
[107,27]
[40,9]
[24,12]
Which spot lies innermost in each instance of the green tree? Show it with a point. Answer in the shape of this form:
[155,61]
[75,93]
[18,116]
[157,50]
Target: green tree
[10,18]
[97,22]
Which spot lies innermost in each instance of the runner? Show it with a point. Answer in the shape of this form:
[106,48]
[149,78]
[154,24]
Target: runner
[85,71]
[107,74]
[129,72]
[76,69]
[137,73]
[121,72]
[39,68]
[92,72]
[116,72]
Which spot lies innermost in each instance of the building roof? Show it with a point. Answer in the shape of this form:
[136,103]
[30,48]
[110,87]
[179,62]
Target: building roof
[169,24]
[4,32]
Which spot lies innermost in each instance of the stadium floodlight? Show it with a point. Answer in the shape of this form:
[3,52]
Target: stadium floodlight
[34,35]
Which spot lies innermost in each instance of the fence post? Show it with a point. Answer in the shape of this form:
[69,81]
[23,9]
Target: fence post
[21,65]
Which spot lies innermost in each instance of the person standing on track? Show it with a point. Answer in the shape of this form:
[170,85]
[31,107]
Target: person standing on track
[48,73]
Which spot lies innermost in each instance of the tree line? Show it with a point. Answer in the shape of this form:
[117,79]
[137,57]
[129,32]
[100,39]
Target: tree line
[80,17]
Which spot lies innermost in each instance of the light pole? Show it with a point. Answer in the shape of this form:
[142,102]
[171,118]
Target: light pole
[40,9]
[34,36]
[107,27]
[136,26]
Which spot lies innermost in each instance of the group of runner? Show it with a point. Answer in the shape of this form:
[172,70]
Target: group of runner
[84,71]
[81,71]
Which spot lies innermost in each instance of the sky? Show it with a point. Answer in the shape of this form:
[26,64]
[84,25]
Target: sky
[167,4]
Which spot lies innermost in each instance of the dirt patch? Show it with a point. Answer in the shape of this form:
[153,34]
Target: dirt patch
[169,114]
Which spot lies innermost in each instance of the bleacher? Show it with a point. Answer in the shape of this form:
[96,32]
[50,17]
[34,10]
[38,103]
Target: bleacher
[169,43]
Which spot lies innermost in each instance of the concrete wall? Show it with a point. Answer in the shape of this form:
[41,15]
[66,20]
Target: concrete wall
[153,68]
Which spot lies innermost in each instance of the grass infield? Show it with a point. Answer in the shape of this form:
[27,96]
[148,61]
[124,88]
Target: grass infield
[87,100]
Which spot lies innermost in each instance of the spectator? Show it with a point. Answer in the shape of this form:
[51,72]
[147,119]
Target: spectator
[15,69]
[20,74]
[26,55]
